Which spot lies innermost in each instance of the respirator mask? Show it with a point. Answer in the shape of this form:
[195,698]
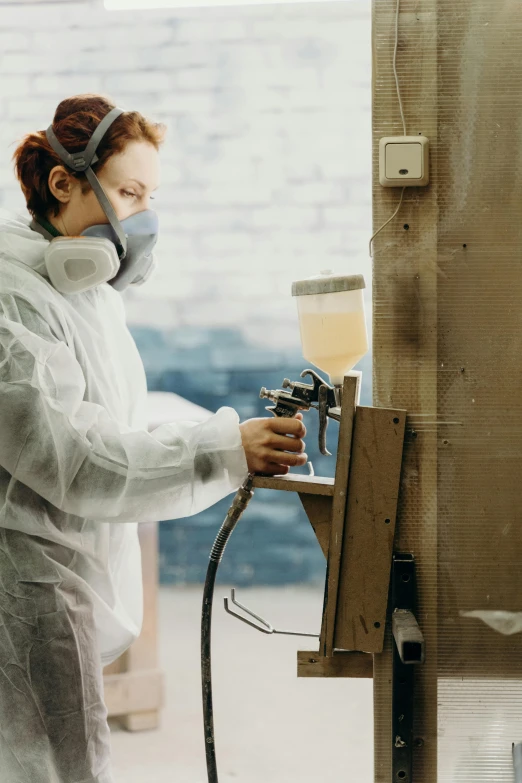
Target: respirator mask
[119,252]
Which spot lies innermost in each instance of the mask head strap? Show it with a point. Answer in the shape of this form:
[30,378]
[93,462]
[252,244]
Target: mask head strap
[82,162]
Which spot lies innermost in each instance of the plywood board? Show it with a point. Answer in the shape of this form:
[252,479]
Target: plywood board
[369,529]
[296,482]
[311,664]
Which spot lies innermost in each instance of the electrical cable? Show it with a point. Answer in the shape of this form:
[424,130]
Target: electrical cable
[402,116]
[395,66]
[387,222]
[239,504]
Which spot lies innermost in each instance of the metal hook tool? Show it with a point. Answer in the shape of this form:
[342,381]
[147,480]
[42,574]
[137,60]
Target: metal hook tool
[268,628]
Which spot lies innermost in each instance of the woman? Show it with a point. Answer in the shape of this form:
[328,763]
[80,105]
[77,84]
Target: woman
[76,460]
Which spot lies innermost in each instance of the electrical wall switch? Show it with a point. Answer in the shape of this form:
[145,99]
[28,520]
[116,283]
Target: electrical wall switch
[404,161]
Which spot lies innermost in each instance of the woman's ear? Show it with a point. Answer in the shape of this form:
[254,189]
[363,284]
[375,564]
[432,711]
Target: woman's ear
[61,184]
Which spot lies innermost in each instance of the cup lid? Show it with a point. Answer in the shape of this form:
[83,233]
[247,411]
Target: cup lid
[327,283]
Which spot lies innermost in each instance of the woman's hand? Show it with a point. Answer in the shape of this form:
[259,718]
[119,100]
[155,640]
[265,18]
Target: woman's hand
[266,442]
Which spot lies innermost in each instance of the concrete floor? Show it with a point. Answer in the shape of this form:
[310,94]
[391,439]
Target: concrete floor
[270,726]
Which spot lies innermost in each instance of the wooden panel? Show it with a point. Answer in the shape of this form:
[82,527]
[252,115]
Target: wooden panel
[347,664]
[312,485]
[479,358]
[351,391]
[319,512]
[373,490]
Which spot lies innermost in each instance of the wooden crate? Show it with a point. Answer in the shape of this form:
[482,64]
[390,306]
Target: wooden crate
[134,685]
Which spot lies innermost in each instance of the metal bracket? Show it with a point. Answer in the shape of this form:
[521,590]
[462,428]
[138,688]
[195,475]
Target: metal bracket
[407,650]
[265,626]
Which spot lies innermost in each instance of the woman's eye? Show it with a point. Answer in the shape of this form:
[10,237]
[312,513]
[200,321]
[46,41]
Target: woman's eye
[128,193]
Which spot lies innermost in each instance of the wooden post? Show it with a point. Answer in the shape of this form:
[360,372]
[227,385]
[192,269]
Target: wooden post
[405,336]
[447,347]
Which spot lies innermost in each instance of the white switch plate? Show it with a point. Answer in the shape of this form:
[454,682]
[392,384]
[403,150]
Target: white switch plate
[404,161]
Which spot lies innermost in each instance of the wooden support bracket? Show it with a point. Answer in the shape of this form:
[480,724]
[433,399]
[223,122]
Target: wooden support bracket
[310,485]
[366,546]
[351,392]
[353,518]
[343,664]
[319,511]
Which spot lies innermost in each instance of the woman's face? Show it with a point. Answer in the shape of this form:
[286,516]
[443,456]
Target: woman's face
[128,178]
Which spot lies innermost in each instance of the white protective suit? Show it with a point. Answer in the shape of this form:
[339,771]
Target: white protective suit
[78,472]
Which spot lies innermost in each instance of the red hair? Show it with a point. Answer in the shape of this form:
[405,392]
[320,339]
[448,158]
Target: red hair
[74,123]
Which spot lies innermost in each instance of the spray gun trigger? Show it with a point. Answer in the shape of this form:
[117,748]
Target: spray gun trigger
[323,419]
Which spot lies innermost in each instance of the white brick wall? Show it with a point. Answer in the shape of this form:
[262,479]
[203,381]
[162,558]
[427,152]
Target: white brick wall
[266,168]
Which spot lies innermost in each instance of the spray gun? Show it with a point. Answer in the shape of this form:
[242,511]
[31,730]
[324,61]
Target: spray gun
[302,396]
